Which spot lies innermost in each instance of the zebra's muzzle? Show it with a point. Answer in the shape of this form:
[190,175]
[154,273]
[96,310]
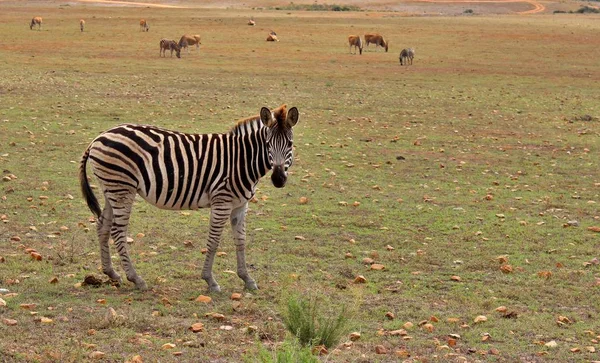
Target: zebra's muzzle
[278,177]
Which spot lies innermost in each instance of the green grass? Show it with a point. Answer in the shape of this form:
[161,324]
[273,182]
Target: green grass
[489,120]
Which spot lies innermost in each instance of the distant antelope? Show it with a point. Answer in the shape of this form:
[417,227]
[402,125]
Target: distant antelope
[36,21]
[81,24]
[251,22]
[354,40]
[166,44]
[406,56]
[376,39]
[187,40]
[272,37]
[144,25]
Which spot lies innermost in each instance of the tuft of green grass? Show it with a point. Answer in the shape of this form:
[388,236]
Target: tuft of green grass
[290,351]
[304,321]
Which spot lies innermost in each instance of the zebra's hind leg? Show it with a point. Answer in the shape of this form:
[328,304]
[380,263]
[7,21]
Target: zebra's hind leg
[103,226]
[219,214]
[121,203]
[238,226]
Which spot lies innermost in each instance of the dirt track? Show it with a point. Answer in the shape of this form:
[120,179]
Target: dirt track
[537,7]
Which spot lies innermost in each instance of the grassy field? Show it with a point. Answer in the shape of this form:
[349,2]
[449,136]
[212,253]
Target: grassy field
[478,165]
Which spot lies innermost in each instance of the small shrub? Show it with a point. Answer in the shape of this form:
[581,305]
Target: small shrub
[289,352]
[587,9]
[311,329]
[468,11]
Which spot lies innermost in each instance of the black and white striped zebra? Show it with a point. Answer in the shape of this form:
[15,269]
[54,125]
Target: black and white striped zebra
[176,171]
[406,56]
[167,44]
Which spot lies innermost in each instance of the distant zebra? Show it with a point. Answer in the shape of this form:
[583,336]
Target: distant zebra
[187,40]
[144,25]
[81,24]
[166,44]
[36,21]
[354,40]
[406,56]
[177,171]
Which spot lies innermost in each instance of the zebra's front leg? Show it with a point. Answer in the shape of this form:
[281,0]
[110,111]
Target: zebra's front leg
[238,226]
[218,218]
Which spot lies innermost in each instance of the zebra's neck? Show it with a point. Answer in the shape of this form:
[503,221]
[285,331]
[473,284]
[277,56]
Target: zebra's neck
[251,139]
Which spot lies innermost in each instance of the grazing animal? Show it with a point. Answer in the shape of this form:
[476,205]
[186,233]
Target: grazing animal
[81,24]
[36,21]
[144,25]
[166,44]
[376,39]
[354,40]
[272,37]
[178,171]
[251,22]
[406,56]
[187,40]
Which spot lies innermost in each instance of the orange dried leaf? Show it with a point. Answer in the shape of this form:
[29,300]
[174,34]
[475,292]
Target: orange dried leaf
[204,299]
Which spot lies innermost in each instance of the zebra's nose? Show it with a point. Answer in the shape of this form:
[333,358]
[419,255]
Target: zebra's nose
[279,176]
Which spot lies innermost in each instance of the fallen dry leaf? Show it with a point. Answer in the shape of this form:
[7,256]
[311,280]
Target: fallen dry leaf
[480,319]
[320,350]
[28,306]
[501,309]
[354,336]
[380,349]
[168,346]
[2,302]
[400,332]
[402,353]
[45,320]
[10,322]
[506,269]
[135,359]
[408,325]
[429,327]
[545,274]
[303,200]
[96,355]
[204,299]
[53,280]
[390,315]
[377,267]
[455,278]
[360,279]
[236,296]
[594,229]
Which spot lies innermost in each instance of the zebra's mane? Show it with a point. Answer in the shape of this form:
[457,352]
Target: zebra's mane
[254,123]
[247,125]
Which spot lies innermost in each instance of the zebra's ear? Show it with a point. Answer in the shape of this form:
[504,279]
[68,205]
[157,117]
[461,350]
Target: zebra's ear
[292,117]
[266,116]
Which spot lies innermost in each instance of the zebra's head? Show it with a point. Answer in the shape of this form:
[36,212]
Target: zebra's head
[280,140]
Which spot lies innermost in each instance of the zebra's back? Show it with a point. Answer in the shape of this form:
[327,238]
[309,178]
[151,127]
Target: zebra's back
[169,169]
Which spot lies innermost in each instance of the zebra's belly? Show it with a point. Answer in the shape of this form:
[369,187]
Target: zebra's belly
[202,202]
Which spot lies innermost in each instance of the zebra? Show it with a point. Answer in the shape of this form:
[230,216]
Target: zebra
[169,44]
[178,171]
[406,56]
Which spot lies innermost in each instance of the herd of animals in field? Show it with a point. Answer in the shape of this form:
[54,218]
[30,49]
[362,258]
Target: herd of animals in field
[406,55]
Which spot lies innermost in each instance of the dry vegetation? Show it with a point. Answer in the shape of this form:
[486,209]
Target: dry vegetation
[464,189]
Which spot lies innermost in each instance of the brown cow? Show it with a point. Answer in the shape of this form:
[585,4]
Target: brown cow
[272,37]
[81,24]
[376,39]
[36,21]
[166,44]
[144,25]
[187,40]
[354,40]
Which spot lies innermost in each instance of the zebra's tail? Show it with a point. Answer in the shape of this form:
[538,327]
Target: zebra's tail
[86,190]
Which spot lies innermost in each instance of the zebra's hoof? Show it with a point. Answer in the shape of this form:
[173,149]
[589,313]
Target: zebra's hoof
[141,285]
[251,285]
[214,288]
